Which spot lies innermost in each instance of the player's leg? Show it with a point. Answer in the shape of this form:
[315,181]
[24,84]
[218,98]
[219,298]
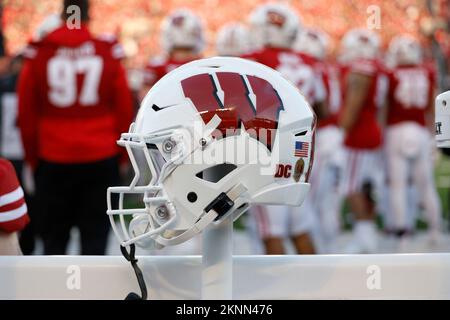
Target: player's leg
[357,183]
[92,220]
[328,197]
[56,201]
[302,229]
[397,170]
[271,225]
[424,181]
[305,228]
[329,204]
[27,236]
[412,204]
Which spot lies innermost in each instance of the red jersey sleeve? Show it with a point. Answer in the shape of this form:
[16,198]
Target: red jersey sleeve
[28,110]
[154,71]
[433,77]
[13,210]
[123,108]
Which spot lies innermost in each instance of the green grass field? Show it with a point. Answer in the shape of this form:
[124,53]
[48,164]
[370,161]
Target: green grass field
[442,180]
[442,177]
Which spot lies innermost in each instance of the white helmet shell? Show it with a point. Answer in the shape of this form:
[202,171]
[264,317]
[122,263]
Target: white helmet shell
[442,119]
[233,39]
[275,25]
[360,44]
[217,136]
[312,42]
[405,50]
[182,29]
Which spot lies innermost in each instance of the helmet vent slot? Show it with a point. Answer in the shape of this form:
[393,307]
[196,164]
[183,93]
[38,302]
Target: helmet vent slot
[302,133]
[216,173]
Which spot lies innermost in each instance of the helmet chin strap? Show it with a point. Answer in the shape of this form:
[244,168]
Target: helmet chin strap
[130,256]
[215,210]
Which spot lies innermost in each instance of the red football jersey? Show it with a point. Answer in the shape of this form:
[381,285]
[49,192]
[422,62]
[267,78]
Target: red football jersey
[159,67]
[411,91]
[366,131]
[334,95]
[74,99]
[13,210]
[300,69]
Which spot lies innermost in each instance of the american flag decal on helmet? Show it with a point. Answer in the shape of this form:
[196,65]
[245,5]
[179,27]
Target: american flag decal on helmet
[301,149]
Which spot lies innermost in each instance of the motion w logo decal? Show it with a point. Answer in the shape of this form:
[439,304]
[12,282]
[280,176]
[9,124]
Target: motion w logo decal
[238,100]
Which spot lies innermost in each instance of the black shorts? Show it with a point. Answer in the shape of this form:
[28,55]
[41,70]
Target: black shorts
[74,195]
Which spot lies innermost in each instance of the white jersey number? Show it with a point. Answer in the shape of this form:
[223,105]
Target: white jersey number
[62,75]
[413,89]
[302,76]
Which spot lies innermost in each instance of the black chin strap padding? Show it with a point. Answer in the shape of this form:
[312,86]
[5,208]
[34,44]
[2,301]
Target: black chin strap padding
[130,256]
[222,204]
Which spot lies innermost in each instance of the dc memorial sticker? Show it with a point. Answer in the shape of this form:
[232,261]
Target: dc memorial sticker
[299,168]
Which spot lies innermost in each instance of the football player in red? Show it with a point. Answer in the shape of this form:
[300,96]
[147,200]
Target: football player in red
[182,40]
[365,87]
[11,142]
[74,102]
[324,199]
[13,209]
[275,27]
[410,137]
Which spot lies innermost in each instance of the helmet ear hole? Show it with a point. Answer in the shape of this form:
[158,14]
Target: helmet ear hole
[192,197]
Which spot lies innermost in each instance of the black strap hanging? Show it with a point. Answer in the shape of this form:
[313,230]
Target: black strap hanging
[130,256]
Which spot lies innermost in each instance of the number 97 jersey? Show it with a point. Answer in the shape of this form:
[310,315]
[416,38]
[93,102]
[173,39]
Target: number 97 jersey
[74,86]
[75,80]
[410,94]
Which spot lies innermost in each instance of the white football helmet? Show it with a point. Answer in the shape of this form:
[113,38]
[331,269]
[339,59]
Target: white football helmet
[233,39]
[405,50]
[312,42]
[442,119]
[182,29]
[218,135]
[275,25]
[50,24]
[360,43]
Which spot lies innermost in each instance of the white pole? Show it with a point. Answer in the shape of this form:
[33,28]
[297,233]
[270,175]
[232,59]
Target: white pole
[217,273]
